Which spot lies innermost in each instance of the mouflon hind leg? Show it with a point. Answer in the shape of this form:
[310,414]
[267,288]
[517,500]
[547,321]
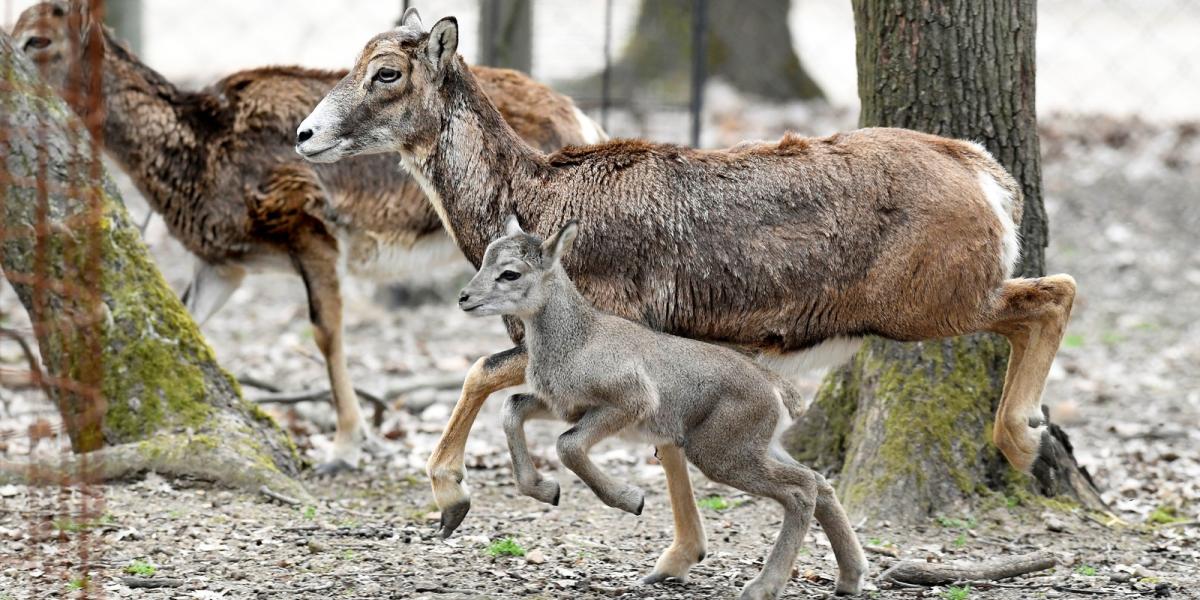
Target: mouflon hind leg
[689,546]
[1033,315]
[317,265]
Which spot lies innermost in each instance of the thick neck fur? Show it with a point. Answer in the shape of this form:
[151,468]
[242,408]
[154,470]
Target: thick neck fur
[562,324]
[472,165]
[149,129]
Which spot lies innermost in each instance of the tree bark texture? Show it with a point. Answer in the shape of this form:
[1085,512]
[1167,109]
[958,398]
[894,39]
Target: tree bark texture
[908,426]
[749,46]
[124,362]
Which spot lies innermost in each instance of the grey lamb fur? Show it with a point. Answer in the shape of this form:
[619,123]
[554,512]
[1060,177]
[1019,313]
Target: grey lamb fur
[610,376]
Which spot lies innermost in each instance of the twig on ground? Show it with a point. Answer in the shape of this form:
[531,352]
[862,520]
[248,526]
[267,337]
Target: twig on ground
[315,588]
[884,550]
[36,376]
[290,501]
[1181,524]
[923,573]
[254,382]
[151,582]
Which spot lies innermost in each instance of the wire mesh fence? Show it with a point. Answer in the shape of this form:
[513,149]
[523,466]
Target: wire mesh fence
[1120,74]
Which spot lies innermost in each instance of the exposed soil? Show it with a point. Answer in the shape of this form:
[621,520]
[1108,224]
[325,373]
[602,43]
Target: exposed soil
[1125,213]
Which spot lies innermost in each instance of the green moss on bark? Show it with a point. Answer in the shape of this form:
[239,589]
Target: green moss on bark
[138,375]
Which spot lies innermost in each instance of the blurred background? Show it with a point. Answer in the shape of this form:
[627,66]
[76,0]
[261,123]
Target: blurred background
[1118,96]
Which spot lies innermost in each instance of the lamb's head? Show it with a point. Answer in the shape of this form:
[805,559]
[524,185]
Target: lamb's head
[519,272]
[391,100]
[58,37]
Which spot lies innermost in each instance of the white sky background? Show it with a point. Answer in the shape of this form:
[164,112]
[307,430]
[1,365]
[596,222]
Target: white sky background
[1109,56]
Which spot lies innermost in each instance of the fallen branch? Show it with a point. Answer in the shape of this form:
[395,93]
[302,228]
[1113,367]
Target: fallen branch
[926,573]
[445,381]
[290,501]
[151,582]
[314,396]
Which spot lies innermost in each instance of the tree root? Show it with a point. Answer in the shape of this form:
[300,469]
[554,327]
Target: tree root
[174,455]
[926,573]
[1058,474]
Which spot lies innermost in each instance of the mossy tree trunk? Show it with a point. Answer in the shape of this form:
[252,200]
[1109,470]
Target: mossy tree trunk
[749,46]
[136,383]
[908,426]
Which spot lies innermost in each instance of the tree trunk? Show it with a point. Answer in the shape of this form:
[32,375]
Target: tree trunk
[749,46]
[136,383]
[125,17]
[506,34]
[908,426]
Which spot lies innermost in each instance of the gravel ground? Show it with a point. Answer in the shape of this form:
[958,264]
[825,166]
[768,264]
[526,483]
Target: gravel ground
[1125,213]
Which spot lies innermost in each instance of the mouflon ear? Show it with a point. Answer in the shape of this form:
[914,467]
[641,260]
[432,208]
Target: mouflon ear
[512,226]
[557,246]
[442,44]
[412,18]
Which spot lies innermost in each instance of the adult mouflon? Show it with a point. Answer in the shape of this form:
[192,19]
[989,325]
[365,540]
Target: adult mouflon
[218,165]
[793,250]
[609,376]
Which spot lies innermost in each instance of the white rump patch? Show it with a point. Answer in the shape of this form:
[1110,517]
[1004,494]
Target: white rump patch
[1001,202]
[830,353]
[592,133]
[783,423]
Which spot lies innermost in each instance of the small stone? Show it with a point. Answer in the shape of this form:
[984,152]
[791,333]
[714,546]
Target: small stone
[1054,524]
[315,547]
[1119,577]
[535,556]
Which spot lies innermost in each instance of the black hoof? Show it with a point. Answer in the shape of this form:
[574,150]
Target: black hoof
[333,468]
[452,517]
[557,495]
[654,578]
[641,505]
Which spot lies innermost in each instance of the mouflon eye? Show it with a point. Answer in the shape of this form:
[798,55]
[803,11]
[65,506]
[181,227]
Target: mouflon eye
[37,43]
[509,276]
[386,75]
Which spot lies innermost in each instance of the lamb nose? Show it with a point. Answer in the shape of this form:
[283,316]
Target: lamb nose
[304,136]
[463,297]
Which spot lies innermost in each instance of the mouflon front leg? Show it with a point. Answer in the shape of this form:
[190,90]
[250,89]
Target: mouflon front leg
[490,374]
[518,409]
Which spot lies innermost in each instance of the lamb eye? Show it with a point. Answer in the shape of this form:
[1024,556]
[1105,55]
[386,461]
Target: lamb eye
[386,75]
[510,276]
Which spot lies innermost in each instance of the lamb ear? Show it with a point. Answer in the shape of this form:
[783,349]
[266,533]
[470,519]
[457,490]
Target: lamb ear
[412,18]
[557,247]
[442,44]
[512,226]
